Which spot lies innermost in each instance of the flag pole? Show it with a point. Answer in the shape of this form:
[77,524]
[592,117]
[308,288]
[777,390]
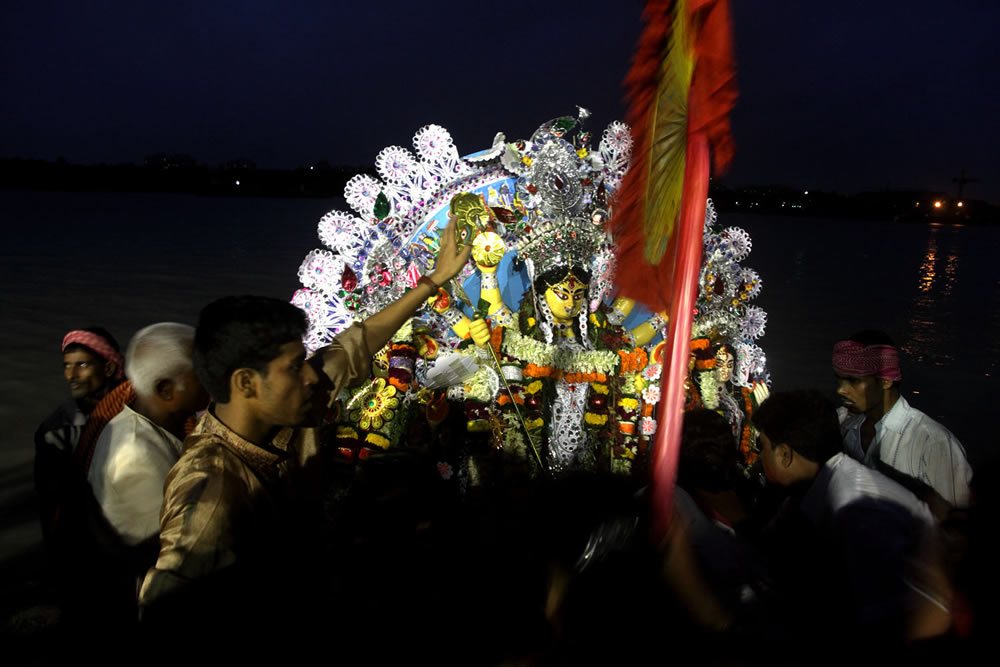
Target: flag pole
[666,448]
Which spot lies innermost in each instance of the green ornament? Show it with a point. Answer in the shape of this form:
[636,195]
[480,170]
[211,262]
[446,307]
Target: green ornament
[566,123]
[381,210]
[482,309]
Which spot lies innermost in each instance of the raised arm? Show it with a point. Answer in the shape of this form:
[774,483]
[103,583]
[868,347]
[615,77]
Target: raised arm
[380,327]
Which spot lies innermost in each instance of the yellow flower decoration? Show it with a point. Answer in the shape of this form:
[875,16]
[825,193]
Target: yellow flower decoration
[488,249]
[639,383]
[531,321]
[600,388]
[377,408]
[594,419]
[534,387]
[527,161]
[377,440]
[582,153]
[628,403]
[533,424]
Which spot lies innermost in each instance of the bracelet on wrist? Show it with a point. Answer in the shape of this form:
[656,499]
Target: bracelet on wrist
[488,281]
[426,280]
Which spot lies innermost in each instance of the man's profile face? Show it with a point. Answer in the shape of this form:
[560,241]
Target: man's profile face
[86,372]
[769,459]
[859,394]
[285,396]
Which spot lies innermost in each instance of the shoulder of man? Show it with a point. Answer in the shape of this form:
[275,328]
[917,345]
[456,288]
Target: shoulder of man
[932,432]
[64,415]
[129,446]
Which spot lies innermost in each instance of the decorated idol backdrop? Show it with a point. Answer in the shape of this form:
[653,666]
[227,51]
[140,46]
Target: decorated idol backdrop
[566,376]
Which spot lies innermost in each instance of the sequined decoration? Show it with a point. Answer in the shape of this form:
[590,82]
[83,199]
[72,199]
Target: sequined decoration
[567,438]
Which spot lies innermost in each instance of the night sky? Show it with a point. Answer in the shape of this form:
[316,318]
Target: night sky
[843,96]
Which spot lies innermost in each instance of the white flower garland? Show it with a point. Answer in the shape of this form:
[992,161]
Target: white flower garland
[709,390]
[483,386]
[514,444]
[567,360]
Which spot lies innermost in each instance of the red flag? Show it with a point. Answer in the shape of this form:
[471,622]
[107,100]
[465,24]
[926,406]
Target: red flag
[681,88]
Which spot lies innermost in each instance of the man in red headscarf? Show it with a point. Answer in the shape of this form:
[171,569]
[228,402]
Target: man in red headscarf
[882,430]
[93,366]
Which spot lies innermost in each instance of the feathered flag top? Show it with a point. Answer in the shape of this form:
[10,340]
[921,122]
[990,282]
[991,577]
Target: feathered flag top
[681,88]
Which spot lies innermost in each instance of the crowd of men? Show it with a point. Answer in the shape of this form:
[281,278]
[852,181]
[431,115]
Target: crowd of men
[184,493]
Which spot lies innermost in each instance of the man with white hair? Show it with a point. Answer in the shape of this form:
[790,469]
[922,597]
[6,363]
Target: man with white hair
[139,446]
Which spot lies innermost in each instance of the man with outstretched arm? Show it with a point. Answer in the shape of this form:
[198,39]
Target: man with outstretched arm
[233,533]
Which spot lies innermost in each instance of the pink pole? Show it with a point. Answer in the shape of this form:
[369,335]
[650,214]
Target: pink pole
[666,447]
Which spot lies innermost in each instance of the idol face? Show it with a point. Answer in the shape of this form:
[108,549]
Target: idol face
[565,299]
[725,364]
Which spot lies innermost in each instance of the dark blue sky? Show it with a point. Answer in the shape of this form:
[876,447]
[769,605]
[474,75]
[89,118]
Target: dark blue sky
[849,95]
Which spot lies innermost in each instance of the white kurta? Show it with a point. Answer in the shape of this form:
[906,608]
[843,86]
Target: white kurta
[909,441]
[131,461]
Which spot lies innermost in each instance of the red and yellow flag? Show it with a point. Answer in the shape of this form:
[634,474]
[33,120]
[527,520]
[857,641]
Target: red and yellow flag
[681,88]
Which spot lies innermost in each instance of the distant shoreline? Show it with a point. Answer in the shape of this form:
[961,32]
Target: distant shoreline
[241,178]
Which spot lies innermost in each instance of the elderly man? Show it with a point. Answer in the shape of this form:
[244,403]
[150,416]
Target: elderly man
[139,446]
[882,430]
[231,543]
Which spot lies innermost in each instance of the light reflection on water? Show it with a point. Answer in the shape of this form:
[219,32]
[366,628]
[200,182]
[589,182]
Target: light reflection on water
[927,274]
[926,339]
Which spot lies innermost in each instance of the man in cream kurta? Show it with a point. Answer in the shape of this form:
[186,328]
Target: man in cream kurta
[131,462]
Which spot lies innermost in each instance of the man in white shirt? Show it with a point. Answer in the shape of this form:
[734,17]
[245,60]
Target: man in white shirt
[881,429]
[139,446]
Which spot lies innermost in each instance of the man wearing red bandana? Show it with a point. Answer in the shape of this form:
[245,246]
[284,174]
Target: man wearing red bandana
[93,366]
[882,430]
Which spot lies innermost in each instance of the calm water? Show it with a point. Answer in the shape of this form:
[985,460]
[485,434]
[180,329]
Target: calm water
[126,260]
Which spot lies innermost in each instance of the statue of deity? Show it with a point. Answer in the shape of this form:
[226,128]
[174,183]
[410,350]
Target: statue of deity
[527,352]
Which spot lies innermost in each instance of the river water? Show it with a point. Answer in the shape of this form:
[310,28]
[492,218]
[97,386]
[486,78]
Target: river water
[123,261]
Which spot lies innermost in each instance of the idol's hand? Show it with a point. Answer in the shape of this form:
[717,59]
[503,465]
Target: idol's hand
[480,332]
[450,259]
[761,392]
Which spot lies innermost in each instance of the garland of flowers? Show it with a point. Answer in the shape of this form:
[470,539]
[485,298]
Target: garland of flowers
[537,353]
[626,447]
[376,412]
